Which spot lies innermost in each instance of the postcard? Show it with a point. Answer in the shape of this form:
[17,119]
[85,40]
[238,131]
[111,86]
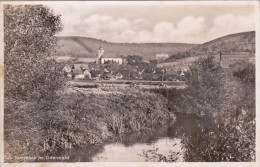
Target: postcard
[136,83]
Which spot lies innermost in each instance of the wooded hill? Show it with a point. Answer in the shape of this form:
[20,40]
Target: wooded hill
[233,43]
[79,47]
[83,47]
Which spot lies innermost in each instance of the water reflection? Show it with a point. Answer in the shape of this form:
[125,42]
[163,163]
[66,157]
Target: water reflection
[118,152]
[125,148]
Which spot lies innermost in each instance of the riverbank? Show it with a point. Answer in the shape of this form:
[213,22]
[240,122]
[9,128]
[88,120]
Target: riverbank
[80,118]
[130,147]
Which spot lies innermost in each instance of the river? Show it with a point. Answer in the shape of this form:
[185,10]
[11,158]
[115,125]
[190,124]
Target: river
[129,148]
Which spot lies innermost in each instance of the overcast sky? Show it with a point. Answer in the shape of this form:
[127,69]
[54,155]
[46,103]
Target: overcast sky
[153,23]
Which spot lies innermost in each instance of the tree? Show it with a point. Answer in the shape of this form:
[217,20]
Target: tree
[30,42]
[228,97]
[134,59]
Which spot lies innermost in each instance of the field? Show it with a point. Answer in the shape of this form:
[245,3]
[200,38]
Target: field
[70,59]
[180,62]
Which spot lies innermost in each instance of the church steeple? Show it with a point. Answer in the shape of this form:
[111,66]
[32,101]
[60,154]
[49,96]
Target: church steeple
[100,53]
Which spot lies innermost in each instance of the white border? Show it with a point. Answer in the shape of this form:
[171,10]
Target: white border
[145,3]
[1,84]
[118,164]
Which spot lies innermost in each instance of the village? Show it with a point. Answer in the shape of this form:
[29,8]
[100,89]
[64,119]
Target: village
[131,67]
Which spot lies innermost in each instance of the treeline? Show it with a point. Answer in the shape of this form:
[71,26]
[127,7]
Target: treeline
[177,56]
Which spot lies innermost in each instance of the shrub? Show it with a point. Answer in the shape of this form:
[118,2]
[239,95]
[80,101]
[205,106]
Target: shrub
[229,98]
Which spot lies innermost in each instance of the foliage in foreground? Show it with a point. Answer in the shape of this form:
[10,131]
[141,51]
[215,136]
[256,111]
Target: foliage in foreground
[228,98]
[31,76]
[152,155]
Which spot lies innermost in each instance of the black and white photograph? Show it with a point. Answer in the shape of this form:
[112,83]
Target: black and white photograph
[129,81]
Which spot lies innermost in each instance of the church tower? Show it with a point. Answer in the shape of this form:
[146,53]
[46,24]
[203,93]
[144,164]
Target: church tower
[100,53]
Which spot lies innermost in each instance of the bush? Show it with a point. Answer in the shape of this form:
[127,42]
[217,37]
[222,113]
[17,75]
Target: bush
[229,98]
[232,141]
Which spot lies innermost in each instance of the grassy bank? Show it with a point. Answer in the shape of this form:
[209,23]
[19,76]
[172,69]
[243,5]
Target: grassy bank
[78,118]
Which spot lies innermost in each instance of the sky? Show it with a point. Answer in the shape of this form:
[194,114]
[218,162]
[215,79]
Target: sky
[153,22]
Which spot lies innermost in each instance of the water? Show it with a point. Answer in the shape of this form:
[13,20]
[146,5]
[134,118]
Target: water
[118,152]
[129,147]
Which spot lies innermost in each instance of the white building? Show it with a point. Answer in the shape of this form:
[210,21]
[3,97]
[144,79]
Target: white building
[161,56]
[112,59]
[102,59]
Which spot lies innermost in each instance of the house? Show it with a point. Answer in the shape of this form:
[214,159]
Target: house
[105,70]
[95,73]
[161,56]
[140,74]
[119,75]
[84,67]
[108,76]
[80,67]
[87,74]
[66,71]
[182,73]
[80,71]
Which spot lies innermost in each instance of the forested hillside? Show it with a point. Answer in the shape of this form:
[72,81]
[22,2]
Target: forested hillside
[87,48]
[240,42]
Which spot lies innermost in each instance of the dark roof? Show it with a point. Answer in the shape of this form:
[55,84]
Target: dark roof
[119,73]
[108,75]
[77,71]
[111,56]
[85,67]
[80,66]
[76,66]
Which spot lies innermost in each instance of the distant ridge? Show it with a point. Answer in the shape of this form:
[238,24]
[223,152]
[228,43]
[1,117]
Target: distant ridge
[238,42]
[237,49]
[84,47]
